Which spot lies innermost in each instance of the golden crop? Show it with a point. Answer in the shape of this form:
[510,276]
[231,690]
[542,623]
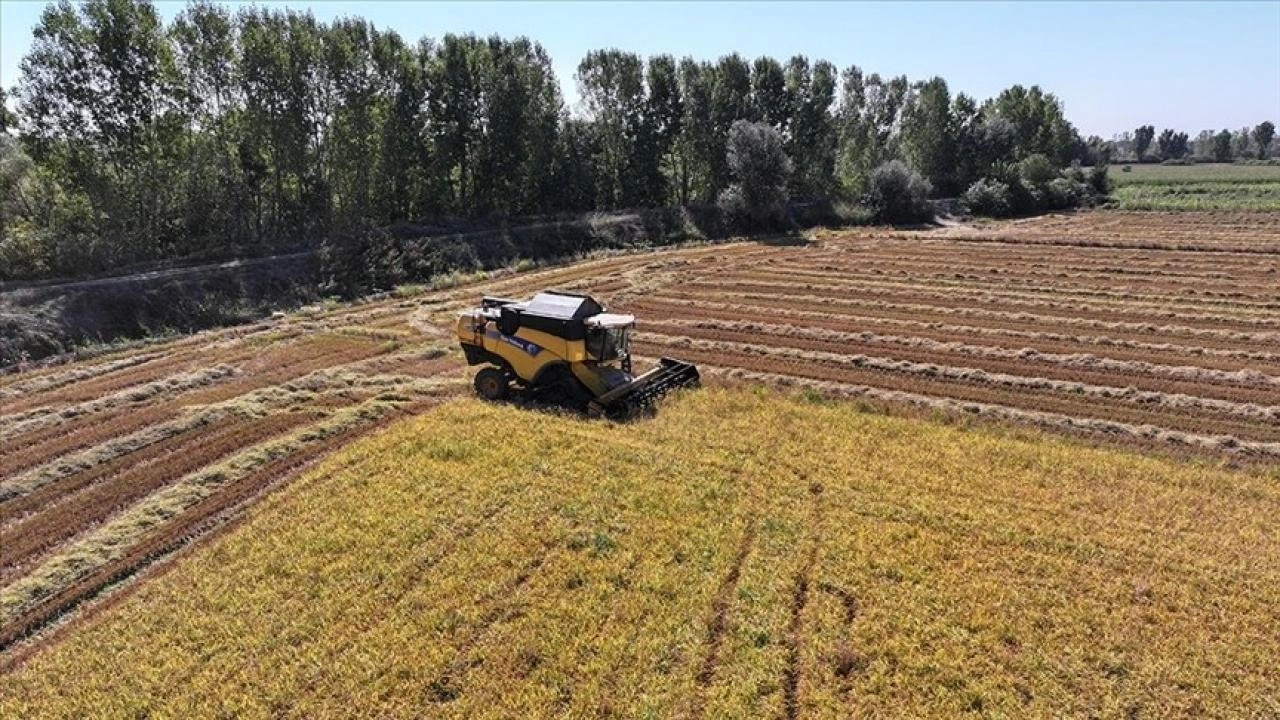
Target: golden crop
[745,554]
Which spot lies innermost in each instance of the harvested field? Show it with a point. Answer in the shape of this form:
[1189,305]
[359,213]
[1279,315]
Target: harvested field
[1159,330]
[745,554]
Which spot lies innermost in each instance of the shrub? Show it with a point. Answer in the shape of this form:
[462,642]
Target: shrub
[1062,193]
[1099,182]
[760,168]
[1037,170]
[854,214]
[1022,199]
[988,197]
[1027,187]
[898,194]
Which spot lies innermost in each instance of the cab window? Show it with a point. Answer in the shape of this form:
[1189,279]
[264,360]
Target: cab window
[607,343]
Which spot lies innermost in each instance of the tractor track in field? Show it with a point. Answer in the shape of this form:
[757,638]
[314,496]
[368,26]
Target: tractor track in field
[794,639]
[718,619]
[448,685]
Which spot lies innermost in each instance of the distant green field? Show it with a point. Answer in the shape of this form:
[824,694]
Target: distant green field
[1197,187]
[1181,174]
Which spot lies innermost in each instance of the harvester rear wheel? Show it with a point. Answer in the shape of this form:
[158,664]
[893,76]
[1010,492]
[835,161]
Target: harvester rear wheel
[491,384]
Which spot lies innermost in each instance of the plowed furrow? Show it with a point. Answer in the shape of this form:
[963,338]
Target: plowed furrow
[21,541]
[1218,317]
[1043,340]
[1031,366]
[1035,400]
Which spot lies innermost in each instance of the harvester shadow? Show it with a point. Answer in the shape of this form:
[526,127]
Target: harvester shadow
[557,410]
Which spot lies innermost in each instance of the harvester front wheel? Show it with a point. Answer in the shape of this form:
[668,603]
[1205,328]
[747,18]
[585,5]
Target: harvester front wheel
[491,384]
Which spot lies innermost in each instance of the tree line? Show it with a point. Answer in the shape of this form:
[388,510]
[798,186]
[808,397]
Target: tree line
[238,133]
[1245,144]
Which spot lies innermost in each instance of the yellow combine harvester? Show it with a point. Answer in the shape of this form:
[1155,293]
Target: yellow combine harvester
[563,349]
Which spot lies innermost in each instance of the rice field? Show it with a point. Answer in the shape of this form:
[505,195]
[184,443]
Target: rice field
[1159,331]
[746,554]
[1197,187]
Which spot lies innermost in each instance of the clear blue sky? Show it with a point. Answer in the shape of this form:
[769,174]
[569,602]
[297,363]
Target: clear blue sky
[1189,65]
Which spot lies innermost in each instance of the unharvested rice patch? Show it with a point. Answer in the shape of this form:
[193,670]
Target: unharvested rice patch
[878,579]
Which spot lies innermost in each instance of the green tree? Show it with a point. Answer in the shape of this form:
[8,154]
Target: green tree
[288,103]
[697,142]
[770,99]
[929,135]
[612,87]
[1172,145]
[867,119]
[520,105]
[247,132]
[455,104]
[574,172]
[1241,143]
[1038,122]
[665,111]
[1098,152]
[1221,146]
[8,119]
[730,102]
[407,183]
[97,89]
[898,194]
[811,129]
[1142,138]
[1262,136]
[204,44]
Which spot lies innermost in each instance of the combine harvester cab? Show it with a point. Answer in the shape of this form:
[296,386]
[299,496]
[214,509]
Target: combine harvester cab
[563,349]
